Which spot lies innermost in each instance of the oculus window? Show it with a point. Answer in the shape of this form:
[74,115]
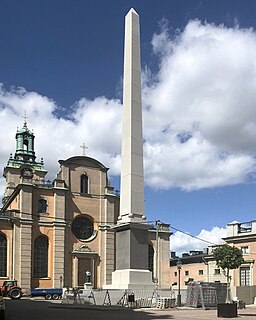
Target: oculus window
[82,228]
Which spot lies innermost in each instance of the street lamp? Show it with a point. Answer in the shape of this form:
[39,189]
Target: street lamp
[179,264]
[207,266]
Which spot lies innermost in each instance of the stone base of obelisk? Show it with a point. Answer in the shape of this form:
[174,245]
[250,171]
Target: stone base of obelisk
[132,257]
[132,279]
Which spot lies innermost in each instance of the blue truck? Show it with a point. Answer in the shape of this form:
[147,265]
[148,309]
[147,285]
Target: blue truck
[48,294]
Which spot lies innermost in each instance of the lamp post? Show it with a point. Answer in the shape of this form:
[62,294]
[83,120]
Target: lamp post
[207,266]
[179,264]
[157,249]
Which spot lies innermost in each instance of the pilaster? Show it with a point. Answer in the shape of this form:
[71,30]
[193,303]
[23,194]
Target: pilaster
[74,271]
[59,232]
[58,254]
[25,258]
[107,255]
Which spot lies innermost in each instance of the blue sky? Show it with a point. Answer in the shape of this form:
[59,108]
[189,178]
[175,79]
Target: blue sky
[62,61]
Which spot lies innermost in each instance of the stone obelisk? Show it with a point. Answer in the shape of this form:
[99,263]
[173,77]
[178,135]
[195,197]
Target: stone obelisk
[132,229]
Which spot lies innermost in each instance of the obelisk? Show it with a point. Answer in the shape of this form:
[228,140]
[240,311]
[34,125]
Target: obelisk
[132,230]
[132,175]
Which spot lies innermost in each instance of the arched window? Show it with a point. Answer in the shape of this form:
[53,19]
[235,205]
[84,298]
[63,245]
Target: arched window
[25,144]
[3,256]
[84,184]
[151,259]
[41,257]
[42,206]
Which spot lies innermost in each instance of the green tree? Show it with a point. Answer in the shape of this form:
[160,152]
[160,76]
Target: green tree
[228,258]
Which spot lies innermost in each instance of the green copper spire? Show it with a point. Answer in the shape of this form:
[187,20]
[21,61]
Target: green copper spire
[25,144]
[25,153]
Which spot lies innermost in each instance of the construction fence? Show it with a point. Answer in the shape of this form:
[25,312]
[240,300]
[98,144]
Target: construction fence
[121,298]
[246,294]
[206,295]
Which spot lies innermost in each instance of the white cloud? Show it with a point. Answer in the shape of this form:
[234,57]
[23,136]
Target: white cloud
[97,123]
[181,243]
[199,113]
[200,118]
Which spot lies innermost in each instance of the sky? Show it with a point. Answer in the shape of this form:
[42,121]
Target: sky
[62,62]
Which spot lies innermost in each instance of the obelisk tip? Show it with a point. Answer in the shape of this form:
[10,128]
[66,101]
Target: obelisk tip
[133,11]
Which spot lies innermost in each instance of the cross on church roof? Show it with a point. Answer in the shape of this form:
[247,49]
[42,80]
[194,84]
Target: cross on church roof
[25,117]
[84,147]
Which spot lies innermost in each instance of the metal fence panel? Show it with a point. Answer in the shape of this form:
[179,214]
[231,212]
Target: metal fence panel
[117,297]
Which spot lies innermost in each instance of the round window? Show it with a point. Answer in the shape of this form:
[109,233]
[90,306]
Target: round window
[82,228]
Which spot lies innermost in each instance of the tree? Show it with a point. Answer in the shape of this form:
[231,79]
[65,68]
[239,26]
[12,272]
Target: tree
[228,258]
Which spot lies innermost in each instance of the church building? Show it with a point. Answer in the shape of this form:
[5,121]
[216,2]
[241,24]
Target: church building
[51,233]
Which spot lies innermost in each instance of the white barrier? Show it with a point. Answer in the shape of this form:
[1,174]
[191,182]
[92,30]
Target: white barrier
[123,298]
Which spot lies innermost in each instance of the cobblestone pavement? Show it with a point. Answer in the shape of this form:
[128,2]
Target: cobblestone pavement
[26,309]
[189,314]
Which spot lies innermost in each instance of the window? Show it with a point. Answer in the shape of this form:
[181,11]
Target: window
[151,258]
[175,274]
[245,276]
[245,249]
[42,205]
[3,256]
[186,273]
[200,272]
[245,227]
[82,228]
[25,144]
[84,184]
[216,271]
[41,257]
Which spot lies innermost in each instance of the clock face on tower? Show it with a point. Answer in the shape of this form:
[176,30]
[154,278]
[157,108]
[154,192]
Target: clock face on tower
[27,173]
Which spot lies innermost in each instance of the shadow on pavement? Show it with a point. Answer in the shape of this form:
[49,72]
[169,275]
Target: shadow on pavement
[26,309]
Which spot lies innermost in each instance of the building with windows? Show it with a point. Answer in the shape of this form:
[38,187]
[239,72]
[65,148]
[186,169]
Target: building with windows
[195,266]
[201,267]
[243,236]
[51,233]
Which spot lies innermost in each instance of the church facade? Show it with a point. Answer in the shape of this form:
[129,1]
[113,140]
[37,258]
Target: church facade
[52,233]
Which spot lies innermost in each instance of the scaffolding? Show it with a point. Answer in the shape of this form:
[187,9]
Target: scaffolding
[205,295]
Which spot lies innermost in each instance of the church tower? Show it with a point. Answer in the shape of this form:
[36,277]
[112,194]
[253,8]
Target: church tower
[23,165]
[25,145]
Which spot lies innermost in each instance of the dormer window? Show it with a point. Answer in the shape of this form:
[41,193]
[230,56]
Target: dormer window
[84,184]
[42,206]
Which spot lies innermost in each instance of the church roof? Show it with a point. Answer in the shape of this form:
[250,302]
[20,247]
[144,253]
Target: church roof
[83,161]
[24,129]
